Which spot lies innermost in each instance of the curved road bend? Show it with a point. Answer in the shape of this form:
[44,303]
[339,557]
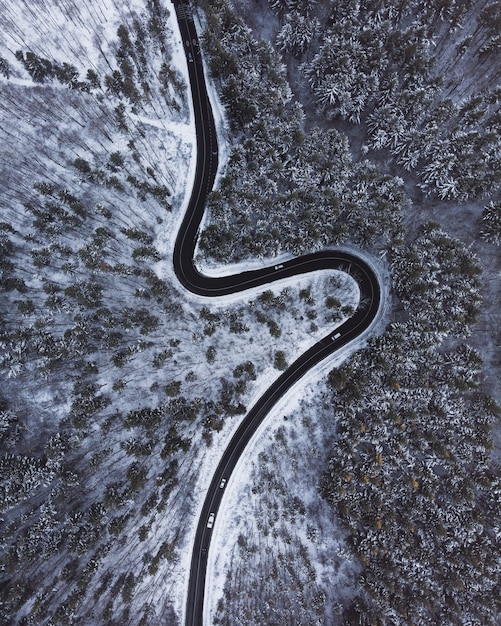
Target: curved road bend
[192,279]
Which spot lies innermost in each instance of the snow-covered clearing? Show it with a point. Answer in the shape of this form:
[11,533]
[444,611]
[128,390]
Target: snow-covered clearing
[239,511]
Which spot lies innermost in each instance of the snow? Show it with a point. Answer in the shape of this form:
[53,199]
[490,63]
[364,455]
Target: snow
[184,131]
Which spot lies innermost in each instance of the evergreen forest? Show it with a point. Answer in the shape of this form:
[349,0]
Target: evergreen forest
[373,125]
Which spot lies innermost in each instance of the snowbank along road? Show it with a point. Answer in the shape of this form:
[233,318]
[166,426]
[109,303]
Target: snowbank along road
[192,279]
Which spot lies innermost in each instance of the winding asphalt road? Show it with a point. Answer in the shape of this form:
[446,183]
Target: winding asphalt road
[192,279]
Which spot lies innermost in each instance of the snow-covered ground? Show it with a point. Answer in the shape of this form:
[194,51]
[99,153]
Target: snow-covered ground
[237,513]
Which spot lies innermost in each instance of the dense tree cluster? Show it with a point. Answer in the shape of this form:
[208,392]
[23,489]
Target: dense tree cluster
[297,34]
[389,66]
[345,74]
[453,147]
[410,474]
[438,279]
[284,188]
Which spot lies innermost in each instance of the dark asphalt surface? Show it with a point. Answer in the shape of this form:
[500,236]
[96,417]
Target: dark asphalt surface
[188,275]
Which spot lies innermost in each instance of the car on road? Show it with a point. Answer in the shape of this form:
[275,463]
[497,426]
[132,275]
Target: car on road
[210,521]
[222,483]
[336,336]
[279,267]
